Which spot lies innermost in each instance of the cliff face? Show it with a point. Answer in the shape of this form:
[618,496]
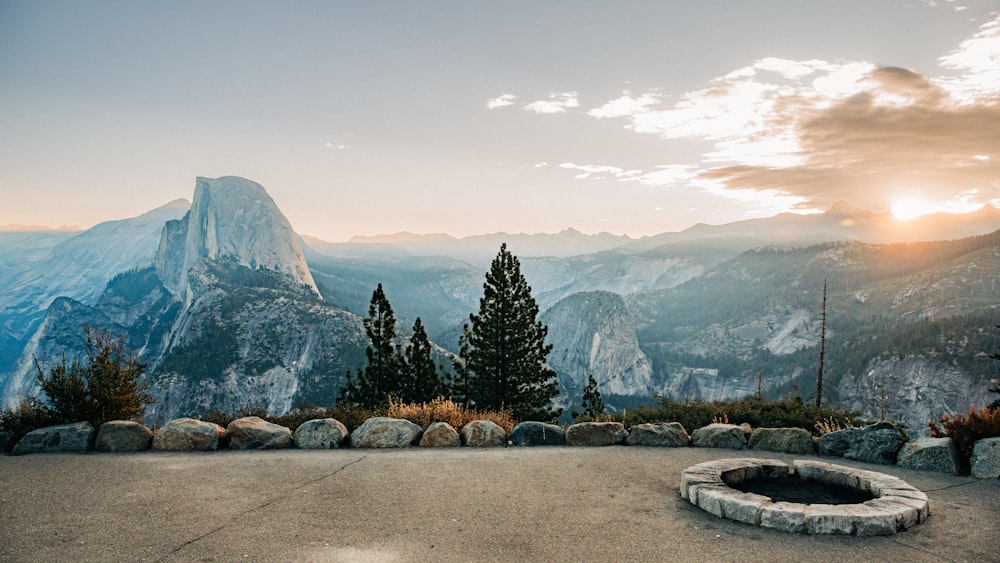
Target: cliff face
[231,218]
[912,390]
[593,333]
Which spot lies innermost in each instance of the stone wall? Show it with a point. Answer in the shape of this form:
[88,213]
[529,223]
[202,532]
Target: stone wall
[878,443]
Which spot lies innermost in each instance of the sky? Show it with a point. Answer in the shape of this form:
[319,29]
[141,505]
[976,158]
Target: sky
[469,117]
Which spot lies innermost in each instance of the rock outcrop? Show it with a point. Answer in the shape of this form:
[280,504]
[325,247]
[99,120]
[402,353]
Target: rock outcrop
[483,434]
[595,434]
[320,434]
[123,436]
[188,434]
[531,433]
[662,434]
[231,218]
[728,436]
[593,333]
[76,437]
[255,433]
[440,435]
[384,432]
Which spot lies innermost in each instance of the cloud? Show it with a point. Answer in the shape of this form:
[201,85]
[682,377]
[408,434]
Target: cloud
[558,102]
[600,172]
[623,106]
[500,101]
[335,146]
[801,135]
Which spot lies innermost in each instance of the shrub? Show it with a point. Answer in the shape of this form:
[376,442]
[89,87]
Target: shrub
[107,385]
[29,414]
[446,410]
[758,413]
[966,429]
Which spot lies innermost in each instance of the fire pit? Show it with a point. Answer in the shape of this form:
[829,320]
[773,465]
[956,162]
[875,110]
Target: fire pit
[809,497]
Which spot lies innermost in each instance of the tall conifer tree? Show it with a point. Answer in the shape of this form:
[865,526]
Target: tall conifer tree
[507,349]
[420,379]
[381,377]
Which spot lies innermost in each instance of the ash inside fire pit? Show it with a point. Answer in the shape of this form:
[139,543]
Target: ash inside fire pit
[803,491]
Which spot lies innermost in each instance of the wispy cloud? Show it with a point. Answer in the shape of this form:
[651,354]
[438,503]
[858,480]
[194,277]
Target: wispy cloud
[600,172]
[800,135]
[558,102]
[627,104]
[500,101]
[336,146]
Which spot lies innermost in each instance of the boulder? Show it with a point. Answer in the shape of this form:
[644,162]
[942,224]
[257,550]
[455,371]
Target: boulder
[320,434]
[875,443]
[255,433]
[788,440]
[483,434]
[5,440]
[531,433]
[383,432]
[188,434]
[930,454]
[985,461]
[123,436]
[596,434]
[719,435]
[661,434]
[75,437]
[440,435]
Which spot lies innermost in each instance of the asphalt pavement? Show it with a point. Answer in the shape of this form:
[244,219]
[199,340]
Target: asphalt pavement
[462,504]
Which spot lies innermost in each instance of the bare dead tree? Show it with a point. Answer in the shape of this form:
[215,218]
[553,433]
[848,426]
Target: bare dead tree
[822,349]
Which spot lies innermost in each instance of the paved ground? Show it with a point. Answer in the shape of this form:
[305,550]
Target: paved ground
[512,504]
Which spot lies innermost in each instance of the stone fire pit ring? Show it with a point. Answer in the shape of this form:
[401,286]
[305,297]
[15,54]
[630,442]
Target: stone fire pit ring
[896,505]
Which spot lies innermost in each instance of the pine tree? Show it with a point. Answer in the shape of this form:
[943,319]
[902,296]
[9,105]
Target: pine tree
[592,403]
[381,377]
[107,385]
[507,347]
[420,380]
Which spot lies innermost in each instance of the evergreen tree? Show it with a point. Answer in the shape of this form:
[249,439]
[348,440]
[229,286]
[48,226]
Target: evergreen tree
[107,385]
[592,404]
[507,347]
[420,380]
[381,377]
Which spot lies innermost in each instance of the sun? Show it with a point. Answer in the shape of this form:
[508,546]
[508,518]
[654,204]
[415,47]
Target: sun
[908,208]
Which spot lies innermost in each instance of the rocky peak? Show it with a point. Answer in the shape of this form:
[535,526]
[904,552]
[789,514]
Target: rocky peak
[231,219]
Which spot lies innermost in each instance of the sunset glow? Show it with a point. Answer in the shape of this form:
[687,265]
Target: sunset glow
[908,209]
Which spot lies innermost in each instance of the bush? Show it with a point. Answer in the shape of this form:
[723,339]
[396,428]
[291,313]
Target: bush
[966,429]
[758,413]
[107,385]
[29,414]
[446,410]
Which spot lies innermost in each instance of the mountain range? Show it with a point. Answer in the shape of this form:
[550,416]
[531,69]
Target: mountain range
[232,308]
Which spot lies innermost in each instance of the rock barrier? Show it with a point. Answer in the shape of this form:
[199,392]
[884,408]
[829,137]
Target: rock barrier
[878,443]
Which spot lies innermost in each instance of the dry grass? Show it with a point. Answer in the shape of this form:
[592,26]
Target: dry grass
[446,410]
[830,424]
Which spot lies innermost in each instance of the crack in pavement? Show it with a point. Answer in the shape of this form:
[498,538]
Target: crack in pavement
[276,498]
[967,483]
